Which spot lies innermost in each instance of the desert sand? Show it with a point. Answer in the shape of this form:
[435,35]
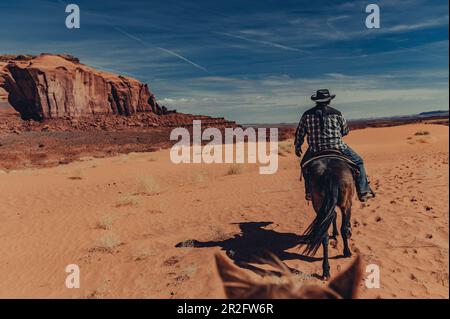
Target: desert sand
[122,219]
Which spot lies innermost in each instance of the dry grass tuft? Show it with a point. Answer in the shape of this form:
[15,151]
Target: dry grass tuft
[147,185]
[235,169]
[101,292]
[421,133]
[216,233]
[107,243]
[285,147]
[105,222]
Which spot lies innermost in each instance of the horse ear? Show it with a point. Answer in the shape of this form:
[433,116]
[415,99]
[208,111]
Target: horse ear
[235,281]
[346,283]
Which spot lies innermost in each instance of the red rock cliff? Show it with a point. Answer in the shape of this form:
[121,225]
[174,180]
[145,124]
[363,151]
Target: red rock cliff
[58,86]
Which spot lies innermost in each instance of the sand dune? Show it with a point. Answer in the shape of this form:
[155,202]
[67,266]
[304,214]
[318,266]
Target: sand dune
[121,218]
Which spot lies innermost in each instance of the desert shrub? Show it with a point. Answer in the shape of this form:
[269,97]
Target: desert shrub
[235,169]
[216,233]
[285,147]
[147,185]
[108,242]
[105,222]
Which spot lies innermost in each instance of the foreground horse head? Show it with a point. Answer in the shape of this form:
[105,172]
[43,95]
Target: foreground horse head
[331,183]
[240,284]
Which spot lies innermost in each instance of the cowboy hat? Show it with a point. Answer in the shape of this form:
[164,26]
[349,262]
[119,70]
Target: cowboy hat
[322,95]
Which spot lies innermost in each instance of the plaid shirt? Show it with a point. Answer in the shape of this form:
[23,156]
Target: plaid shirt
[328,137]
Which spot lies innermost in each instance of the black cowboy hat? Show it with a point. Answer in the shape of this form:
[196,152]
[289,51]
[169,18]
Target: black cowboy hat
[323,95]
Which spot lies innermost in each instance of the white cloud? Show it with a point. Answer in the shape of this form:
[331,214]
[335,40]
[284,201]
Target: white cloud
[421,25]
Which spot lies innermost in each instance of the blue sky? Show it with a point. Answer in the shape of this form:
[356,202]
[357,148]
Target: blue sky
[252,61]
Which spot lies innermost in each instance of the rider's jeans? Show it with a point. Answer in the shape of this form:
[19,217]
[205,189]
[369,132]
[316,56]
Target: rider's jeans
[362,184]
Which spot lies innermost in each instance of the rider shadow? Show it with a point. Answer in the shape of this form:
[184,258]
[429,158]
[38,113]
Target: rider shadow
[257,245]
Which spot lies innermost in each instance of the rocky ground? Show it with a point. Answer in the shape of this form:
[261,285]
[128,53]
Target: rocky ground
[53,142]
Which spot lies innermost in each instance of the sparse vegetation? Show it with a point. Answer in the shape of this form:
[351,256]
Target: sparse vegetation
[235,169]
[105,222]
[147,185]
[189,270]
[101,292]
[285,147]
[108,242]
[421,133]
[216,233]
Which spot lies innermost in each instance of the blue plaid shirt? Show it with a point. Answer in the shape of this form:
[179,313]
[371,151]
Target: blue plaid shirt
[322,137]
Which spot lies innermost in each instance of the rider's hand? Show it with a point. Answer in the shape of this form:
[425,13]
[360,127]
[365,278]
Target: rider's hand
[298,152]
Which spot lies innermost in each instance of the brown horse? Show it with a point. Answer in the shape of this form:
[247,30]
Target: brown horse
[241,284]
[331,182]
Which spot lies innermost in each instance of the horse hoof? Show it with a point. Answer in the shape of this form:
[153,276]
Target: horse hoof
[326,277]
[349,233]
[333,242]
[347,254]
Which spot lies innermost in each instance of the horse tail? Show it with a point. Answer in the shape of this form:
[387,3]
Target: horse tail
[319,227]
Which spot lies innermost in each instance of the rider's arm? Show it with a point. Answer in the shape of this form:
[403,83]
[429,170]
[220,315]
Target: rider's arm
[300,134]
[344,127]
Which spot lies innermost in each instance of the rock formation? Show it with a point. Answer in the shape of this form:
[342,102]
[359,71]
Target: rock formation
[58,86]
[3,93]
[3,96]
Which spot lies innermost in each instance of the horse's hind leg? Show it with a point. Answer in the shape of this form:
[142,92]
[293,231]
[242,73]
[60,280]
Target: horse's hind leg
[325,264]
[346,230]
[335,231]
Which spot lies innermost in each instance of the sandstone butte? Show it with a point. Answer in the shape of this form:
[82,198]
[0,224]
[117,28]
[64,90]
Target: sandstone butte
[50,86]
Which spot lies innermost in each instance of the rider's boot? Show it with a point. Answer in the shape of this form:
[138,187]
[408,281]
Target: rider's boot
[364,197]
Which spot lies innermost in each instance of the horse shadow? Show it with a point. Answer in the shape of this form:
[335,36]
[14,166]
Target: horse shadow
[256,244]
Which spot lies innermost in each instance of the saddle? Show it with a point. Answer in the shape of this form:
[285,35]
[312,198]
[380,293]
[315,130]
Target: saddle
[331,154]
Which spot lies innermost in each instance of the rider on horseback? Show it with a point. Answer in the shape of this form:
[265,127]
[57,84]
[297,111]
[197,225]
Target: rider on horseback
[325,127]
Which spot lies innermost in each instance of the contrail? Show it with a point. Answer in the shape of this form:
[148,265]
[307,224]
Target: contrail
[130,35]
[145,43]
[164,50]
[184,59]
[272,44]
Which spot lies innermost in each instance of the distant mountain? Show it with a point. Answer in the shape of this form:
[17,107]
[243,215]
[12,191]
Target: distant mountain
[434,113]
[399,118]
